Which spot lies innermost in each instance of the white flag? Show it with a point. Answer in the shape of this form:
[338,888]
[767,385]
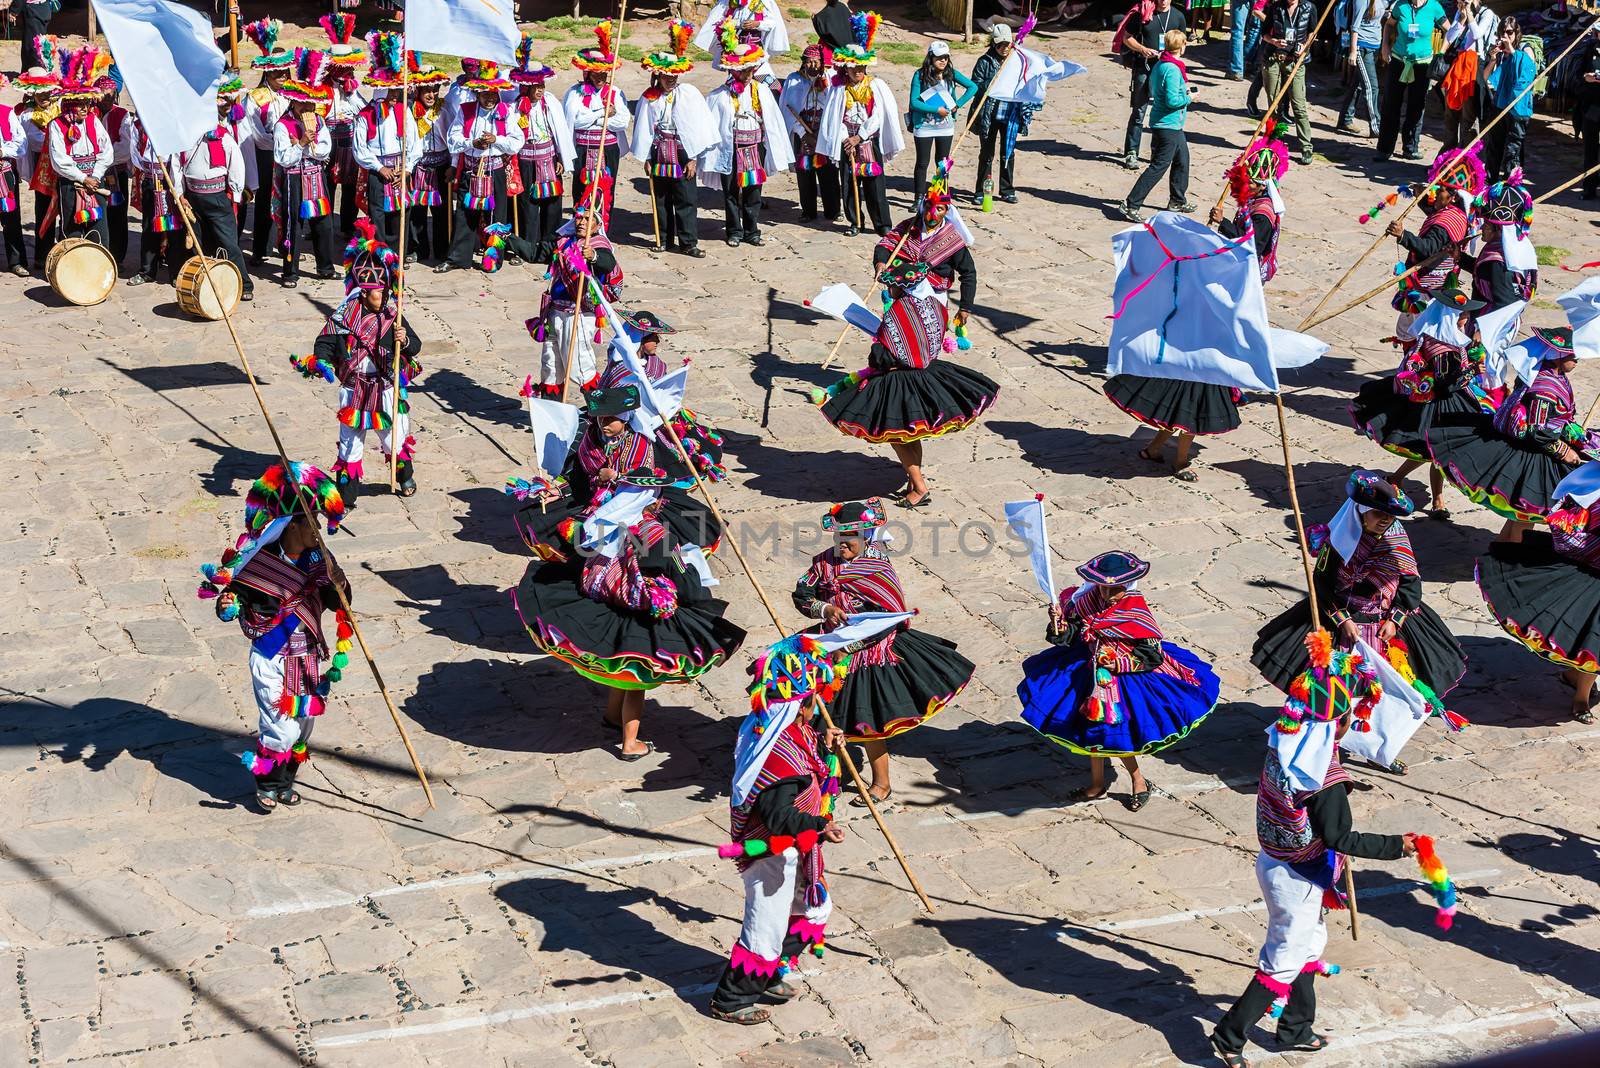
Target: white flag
[669,390]
[1582,485]
[1525,358]
[483,29]
[1582,306]
[1291,349]
[1026,520]
[605,531]
[1189,306]
[171,65]
[1398,714]
[1025,75]
[555,425]
[841,302]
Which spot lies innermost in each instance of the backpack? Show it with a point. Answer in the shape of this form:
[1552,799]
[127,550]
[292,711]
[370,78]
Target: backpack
[1534,46]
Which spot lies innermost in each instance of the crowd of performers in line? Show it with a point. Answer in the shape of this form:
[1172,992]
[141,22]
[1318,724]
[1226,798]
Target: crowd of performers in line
[490,159]
[620,591]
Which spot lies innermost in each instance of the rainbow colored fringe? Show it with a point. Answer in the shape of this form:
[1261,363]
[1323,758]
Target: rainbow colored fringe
[1399,657]
[666,170]
[316,208]
[356,419]
[313,366]
[778,844]
[866,170]
[87,215]
[752,177]
[1444,891]
[472,203]
[963,342]
[494,243]
[853,380]
[810,161]
[8,204]
[1280,991]
[165,224]
[262,760]
[1387,202]
[544,190]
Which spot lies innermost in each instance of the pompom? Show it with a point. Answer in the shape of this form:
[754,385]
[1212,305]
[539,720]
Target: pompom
[806,841]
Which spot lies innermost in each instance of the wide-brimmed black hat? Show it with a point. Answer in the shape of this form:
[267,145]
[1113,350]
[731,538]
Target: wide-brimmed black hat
[903,273]
[1372,490]
[646,323]
[1452,294]
[1115,568]
[617,400]
[1557,340]
[852,517]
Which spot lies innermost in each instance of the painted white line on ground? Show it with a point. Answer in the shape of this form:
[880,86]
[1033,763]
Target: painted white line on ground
[478,879]
[1406,887]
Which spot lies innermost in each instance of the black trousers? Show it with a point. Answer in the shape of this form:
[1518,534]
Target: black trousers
[152,243]
[432,241]
[580,190]
[35,22]
[1168,148]
[737,989]
[346,188]
[1294,1026]
[874,198]
[929,151]
[1138,107]
[537,220]
[16,251]
[1591,156]
[43,239]
[1505,146]
[741,208]
[386,224]
[468,221]
[261,209]
[987,147]
[101,227]
[1401,108]
[321,229]
[219,229]
[677,208]
[824,180]
[117,214]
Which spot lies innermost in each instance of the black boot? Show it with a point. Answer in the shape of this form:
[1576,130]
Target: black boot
[405,482]
[349,488]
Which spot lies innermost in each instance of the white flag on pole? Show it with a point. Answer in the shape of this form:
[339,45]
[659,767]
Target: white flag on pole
[605,531]
[1026,521]
[483,29]
[1026,74]
[171,65]
[1497,328]
[555,425]
[841,302]
[1399,712]
[1582,306]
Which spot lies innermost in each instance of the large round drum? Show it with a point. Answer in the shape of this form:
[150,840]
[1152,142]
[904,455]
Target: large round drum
[195,295]
[81,271]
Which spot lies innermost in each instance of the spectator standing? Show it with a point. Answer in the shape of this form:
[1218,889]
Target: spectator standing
[1469,40]
[1285,34]
[1246,32]
[1169,108]
[934,105]
[1360,25]
[1587,117]
[33,20]
[991,126]
[1141,49]
[1511,71]
[1408,50]
[833,29]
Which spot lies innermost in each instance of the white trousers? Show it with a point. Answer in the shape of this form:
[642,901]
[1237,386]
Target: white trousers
[553,356]
[1296,930]
[353,442]
[278,732]
[773,892]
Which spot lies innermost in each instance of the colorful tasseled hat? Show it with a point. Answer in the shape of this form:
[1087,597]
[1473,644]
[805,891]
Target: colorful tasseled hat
[387,60]
[272,496]
[306,92]
[793,669]
[1335,683]
[369,263]
[48,49]
[311,66]
[529,71]
[264,33]
[613,401]
[342,51]
[1465,175]
[80,69]
[601,58]
[39,81]
[1114,568]
[860,52]
[1266,160]
[1557,341]
[425,74]
[938,193]
[487,79]
[231,87]
[1372,490]
[675,60]
[854,517]
[1508,203]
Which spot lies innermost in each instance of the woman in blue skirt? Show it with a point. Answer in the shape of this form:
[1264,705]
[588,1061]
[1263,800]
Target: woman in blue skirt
[1110,687]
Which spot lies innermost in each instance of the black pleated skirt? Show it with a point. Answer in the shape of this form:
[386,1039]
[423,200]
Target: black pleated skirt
[910,404]
[1169,404]
[1546,601]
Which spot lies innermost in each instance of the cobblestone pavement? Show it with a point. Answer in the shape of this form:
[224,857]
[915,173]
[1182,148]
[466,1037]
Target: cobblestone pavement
[561,907]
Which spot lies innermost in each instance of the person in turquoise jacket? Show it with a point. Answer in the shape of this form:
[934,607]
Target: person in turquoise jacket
[1169,108]
[934,105]
[1511,70]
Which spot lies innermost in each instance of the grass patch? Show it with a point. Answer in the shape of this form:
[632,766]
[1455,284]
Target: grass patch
[162,552]
[568,23]
[1545,305]
[902,53]
[199,506]
[798,13]
[631,53]
[1551,255]
[451,65]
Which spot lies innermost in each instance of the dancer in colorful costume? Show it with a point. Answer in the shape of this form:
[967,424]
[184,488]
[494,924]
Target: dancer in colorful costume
[13,147]
[1435,380]
[1506,268]
[906,393]
[785,786]
[672,128]
[1175,407]
[1545,589]
[383,133]
[801,101]
[486,141]
[277,584]
[357,349]
[735,26]
[751,146]
[582,263]
[1442,238]
[41,104]
[344,58]
[1303,822]
[545,159]
[1111,687]
[301,147]
[1511,461]
[595,135]
[898,681]
[1368,588]
[631,612]
[1253,180]
[861,128]
[937,236]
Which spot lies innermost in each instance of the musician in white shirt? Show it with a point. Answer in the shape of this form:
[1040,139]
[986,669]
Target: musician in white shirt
[115,119]
[752,143]
[210,179]
[543,162]
[671,128]
[428,198]
[801,102]
[378,151]
[486,139]
[301,145]
[13,146]
[161,226]
[80,154]
[595,135]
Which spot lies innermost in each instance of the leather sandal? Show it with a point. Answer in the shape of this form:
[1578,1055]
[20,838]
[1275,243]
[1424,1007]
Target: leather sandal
[747,1016]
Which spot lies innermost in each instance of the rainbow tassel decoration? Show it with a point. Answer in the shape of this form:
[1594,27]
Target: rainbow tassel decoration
[494,243]
[963,342]
[853,380]
[1444,891]
[313,366]
[805,842]
[1387,202]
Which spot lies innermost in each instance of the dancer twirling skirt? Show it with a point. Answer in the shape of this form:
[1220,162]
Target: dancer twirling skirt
[1111,687]
[907,393]
[897,681]
[1368,588]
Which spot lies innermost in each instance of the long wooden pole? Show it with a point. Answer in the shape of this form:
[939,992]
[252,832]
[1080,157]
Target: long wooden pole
[233,33]
[849,763]
[1288,80]
[592,205]
[1384,235]
[402,122]
[1350,899]
[1566,185]
[190,235]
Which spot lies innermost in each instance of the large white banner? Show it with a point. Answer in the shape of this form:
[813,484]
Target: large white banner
[483,29]
[171,65]
[1025,75]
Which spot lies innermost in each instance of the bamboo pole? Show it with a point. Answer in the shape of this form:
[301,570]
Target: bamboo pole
[1375,291]
[655,216]
[1288,80]
[1566,185]
[592,207]
[1385,235]
[849,763]
[192,237]
[233,32]
[396,442]
[1350,899]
